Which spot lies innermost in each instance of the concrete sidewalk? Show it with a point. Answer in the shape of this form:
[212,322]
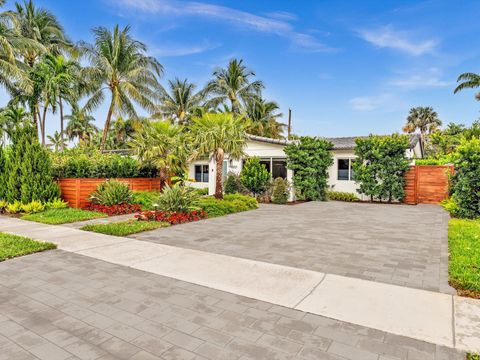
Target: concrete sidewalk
[429,316]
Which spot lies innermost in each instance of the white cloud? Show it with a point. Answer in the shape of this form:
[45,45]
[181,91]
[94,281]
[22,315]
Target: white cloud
[181,50]
[386,37]
[431,78]
[369,103]
[278,25]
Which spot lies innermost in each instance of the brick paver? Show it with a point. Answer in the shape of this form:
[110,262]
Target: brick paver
[397,244]
[60,305]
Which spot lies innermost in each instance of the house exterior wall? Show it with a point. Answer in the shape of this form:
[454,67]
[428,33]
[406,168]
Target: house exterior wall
[334,183]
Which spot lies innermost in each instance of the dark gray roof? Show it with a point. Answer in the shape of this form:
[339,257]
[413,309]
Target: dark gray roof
[268,140]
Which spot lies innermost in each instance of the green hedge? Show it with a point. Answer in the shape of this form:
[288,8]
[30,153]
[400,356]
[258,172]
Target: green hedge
[342,196]
[77,163]
[230,204]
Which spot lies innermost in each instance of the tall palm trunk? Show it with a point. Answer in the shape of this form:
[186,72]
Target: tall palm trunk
[62,145]
[107,126]
[163,177]
[42,125]
[219,155]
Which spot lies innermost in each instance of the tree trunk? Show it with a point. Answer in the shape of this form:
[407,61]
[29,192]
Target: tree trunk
[62,145]
[42,125]
[107,126]
[219,155]
[163,177]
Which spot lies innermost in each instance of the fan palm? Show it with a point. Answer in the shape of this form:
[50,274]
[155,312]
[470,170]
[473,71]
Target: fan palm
[119,65]
[263,117]
[468,81]
[233,84]
[423,119]
[181,103]
[162,144]
[80,125]
[216,135]
[57,142]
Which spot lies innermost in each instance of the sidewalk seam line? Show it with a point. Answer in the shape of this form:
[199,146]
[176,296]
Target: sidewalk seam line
[453,323]
[311,291]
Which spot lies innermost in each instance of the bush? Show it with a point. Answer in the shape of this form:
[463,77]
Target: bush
[232,184]
[465,182]
[201,192]
[310,159]
[178,198]
[112,210]
[146,198]
[112,192]
[231,203]
[342,196]
[451,206]
[249,201]
[89,163]
[56,204]
[3,205]
[280,191]
[14,208]
[3,173]
[254,176]
[33,207]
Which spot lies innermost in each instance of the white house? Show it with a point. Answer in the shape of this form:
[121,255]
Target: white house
[270,152]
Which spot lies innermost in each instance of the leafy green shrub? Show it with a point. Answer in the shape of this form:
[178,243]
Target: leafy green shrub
[91,163]
[33,207]
[447,159]
[56,204]
[280,191]
[14,208]
[465,182]
[451,206]
[146,199]
[342,196]
[232,184]
[249,201]
[3,173]
[3,205]
[310,159]
[254,176]
[178,198]
[202,192]
[112,192]
[231,203]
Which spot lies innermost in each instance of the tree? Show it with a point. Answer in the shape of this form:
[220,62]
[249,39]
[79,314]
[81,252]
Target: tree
[233,84]
[119,64]
[263,118]
[181,103]
[424,119]
[365,167]
[162,144]
[280,191]
[11,119]
[310,158]
[217,135]
[80,125]
[56,142]
[468,81]
[254,176]
[122,131]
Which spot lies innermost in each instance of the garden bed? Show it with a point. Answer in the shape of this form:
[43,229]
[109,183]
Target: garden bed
[12,246]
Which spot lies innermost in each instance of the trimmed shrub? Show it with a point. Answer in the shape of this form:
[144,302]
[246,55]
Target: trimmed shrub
[254,176]
[232,184]
[342,196]
[112,192]
[14,208]
[201,192]
[280,191]
[146,199]
[56,204]
[3,205]
[33,207]
[178,198]
[3,173]
[310,159]
[231,203]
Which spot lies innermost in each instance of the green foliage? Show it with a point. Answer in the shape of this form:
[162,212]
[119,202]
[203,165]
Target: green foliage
[451,206]
[91,163]
[447,159]
[63,216]
[3,173]
[178,198]
[310,159]
[232,184]
[254,176]
[33,207]
[465,182]
[56,204]
[112,192]
[125,228]
[471,356]
[29,169]
[145,198]
[3,205]
[280,191]
[231,203]
[381,165]
[464,251]
[15,207]
[342,196]
[202,192]
[13,245]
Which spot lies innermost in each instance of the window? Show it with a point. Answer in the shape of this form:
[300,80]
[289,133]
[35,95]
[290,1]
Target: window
[201,173]
[276,167]
[345,169]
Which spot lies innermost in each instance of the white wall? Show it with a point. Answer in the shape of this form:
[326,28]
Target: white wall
[341,185]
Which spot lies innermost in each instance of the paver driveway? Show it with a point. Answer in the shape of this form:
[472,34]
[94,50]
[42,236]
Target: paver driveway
[63,306]
[398,244]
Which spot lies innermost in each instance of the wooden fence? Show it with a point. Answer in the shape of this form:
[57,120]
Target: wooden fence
[77,191]
[427,184]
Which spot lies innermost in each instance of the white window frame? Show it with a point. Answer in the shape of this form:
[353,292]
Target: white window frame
[350,168]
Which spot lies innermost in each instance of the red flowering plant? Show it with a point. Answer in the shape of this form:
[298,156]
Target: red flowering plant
[111,210]
[113,197]
[172,217]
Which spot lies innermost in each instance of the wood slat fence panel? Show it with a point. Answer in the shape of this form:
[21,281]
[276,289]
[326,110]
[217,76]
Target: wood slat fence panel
[427,184]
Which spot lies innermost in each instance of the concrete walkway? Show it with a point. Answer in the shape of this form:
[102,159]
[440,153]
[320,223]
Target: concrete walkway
[429,316]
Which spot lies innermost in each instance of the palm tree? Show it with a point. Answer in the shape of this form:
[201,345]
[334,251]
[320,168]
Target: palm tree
[216,135]
[119,65]
[80,125]
[56,141]
[11,118]
[423,119]
[162,144]
[263,117]
[468,81]
[181,103]
[233,84]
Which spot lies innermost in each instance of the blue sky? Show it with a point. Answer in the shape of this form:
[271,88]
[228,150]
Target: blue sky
[343,67]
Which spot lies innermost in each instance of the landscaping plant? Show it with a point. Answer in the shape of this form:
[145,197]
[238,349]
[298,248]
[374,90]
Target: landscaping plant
[62,216]
[33,207]
[281,190]
[56,204]
[310,159]
[254,176]
[13,245]
[231,203]
[146,199]
[178,198]
[112,210]
[172,217]
[342,196]
[231,186]
[112,192]
[125,228]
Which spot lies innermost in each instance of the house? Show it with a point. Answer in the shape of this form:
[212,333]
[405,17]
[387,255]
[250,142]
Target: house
[270,152]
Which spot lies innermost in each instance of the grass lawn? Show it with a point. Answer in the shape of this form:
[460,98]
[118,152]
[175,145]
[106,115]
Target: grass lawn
[62,216]
[125,228]
[13,245]
[464,263]
[473,357]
